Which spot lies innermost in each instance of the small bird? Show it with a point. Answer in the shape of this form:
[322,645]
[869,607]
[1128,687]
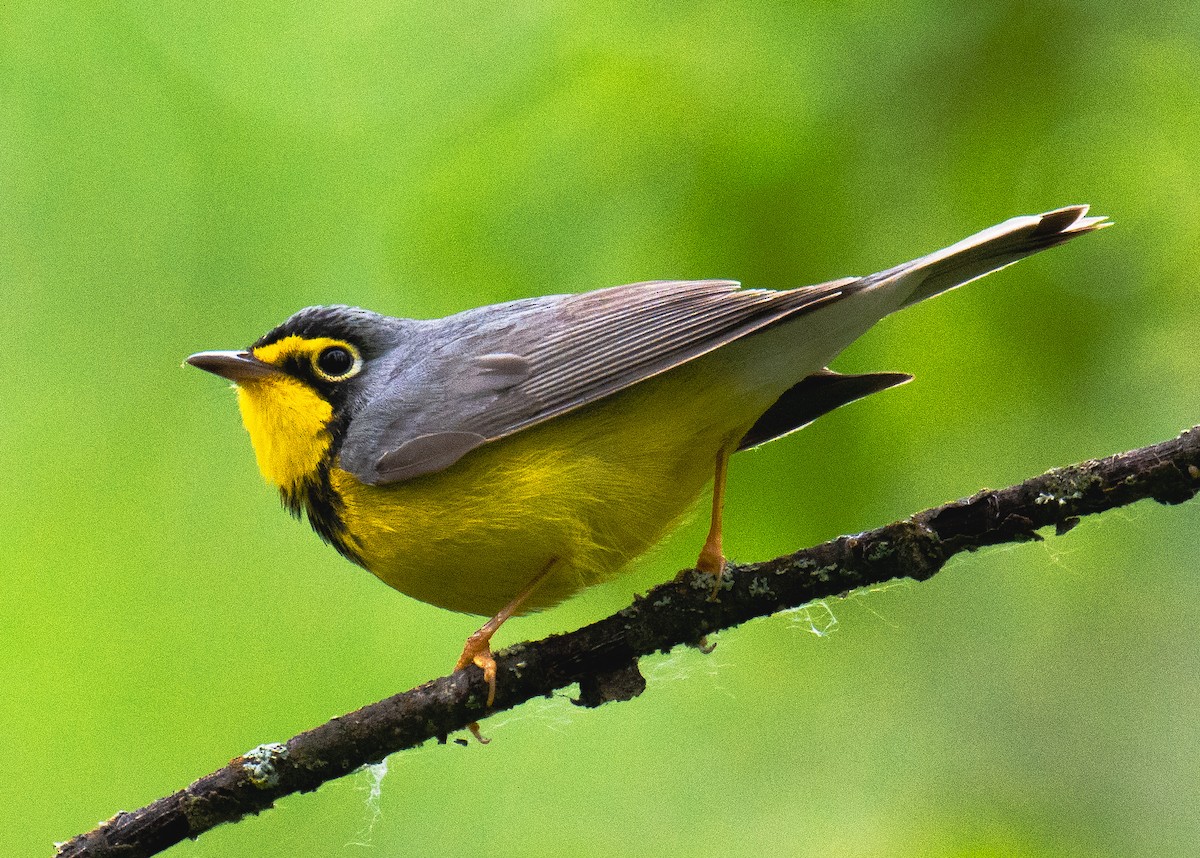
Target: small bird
[499,460]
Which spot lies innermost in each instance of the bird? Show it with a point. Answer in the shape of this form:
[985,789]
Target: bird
[502,459]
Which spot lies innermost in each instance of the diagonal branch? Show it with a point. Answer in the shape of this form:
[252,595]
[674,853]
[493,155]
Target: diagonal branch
[602,657]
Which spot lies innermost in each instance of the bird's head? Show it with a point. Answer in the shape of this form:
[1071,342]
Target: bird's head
[300,384]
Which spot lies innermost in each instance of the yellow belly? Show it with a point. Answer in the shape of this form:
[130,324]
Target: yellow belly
[590,490]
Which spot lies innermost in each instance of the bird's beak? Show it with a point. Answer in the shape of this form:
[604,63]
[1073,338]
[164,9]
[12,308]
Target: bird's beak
[235,366]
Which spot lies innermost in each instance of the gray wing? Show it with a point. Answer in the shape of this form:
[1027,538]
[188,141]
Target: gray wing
[498,370]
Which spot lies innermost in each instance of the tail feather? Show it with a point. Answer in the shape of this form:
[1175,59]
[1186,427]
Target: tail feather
[813,396]
[987,251]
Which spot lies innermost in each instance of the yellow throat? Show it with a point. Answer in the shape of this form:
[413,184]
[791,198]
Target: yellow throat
[287,420]
[288,426]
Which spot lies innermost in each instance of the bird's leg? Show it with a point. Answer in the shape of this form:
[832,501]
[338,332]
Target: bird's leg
[711,559]
[478,649]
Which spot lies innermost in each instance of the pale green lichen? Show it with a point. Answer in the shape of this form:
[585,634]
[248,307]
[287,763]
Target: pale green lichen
[1044,498]
[759,587]
[259,764]
[825,573]
[880,550]
[1068,485]
[796,564]
[701,580]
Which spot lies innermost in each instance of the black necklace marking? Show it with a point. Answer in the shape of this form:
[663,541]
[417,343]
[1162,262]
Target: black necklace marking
[316,498]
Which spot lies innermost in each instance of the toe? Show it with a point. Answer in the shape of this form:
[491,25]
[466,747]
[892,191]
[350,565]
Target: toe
[486,662]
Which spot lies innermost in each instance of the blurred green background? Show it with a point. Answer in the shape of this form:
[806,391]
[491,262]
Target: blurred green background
[176,176]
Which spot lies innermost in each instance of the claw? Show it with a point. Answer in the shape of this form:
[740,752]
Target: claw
[478,651]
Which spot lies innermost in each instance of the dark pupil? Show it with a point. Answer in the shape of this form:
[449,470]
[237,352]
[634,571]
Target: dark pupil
[335,361]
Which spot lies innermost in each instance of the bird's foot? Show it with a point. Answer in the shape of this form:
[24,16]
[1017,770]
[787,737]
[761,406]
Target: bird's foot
[712,561]
[478,651]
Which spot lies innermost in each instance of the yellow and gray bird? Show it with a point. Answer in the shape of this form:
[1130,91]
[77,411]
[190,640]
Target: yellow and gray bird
[499,460]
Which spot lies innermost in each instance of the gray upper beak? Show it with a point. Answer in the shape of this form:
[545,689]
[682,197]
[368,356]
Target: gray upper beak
[235,366]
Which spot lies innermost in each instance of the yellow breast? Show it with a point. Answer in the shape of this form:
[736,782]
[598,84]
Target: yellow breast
[590,490]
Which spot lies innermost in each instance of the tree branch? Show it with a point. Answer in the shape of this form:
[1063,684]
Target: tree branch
[602,657]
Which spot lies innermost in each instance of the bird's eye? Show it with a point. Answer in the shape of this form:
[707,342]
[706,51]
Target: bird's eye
[336,363]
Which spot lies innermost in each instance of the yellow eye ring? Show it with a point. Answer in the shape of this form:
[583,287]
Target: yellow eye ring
[337,362]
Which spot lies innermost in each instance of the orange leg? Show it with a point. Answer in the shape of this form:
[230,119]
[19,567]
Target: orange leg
[711,559]
[478,649]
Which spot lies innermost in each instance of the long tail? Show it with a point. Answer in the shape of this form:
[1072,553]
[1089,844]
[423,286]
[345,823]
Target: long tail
[987,251]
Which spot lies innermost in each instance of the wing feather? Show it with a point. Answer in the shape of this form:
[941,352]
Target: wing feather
[608,340]
[505,371]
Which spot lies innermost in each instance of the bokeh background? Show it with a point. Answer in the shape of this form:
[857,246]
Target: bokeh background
[176,176]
